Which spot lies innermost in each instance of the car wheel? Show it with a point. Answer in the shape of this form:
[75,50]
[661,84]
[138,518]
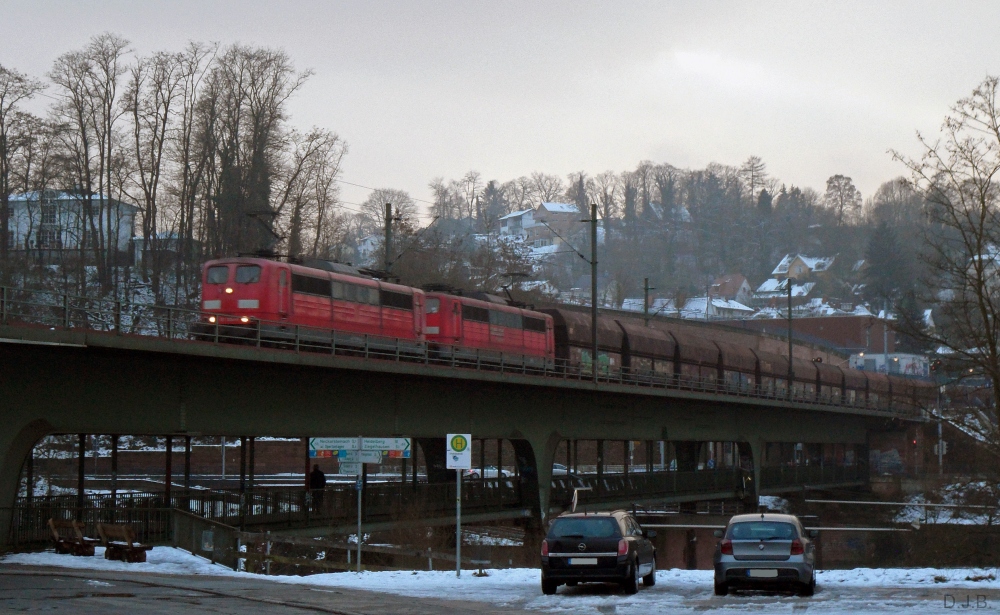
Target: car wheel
[650,579]
[809,588]
[721,589]
[630,584]
[549,587]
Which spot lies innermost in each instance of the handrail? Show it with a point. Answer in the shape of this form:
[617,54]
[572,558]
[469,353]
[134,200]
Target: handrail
[23,307]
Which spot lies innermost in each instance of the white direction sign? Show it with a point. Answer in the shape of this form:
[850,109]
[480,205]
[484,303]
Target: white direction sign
[459,451]
[385,444]
[350,467]
[333,444]
[359,456]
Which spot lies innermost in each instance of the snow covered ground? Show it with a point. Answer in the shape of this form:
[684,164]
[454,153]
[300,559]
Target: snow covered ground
[839,591]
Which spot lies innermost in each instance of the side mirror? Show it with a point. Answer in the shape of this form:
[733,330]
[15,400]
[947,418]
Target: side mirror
[813,533]
[719,533]
[650,533]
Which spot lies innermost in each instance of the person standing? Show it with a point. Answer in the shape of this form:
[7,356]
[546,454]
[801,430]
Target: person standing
[317,484]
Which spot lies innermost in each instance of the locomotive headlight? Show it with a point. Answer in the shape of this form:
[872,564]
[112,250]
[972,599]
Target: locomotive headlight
[229,291]
[211,319]
[244,319]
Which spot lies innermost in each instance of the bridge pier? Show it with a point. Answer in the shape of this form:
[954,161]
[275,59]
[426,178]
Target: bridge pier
[15,446]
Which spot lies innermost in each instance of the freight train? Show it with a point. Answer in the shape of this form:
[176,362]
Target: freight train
[322,304]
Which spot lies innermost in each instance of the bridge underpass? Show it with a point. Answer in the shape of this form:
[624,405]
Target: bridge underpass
[68,381]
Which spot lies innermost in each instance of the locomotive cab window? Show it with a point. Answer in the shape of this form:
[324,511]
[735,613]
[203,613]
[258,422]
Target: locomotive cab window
[247,274]
[433,305]
[218,275]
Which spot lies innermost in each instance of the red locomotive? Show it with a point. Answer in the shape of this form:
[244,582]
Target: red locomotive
[250,296]
[329,303]
[470,328]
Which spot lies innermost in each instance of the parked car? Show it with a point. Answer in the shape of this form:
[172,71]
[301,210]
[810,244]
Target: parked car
[559,469]
[489,472]
[765,551]
[604,547]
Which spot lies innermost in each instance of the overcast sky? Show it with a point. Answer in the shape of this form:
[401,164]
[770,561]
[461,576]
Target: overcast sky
[427,89]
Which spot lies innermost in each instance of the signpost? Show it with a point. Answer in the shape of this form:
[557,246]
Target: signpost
[459,457]
[353,452]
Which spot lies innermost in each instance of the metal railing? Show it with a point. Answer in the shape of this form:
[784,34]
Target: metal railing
[20,307]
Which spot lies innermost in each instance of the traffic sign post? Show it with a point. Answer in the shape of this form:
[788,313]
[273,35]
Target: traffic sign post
[353,453]
[459,457]
[360,486]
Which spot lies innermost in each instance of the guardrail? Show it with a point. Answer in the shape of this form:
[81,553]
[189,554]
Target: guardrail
[69,312]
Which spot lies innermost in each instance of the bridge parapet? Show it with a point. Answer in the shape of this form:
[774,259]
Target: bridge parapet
[28,315]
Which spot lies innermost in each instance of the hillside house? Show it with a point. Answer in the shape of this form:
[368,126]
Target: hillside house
[733,287]
[51,224]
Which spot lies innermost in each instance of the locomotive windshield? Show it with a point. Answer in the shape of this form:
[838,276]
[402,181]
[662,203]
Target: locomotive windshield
[433,305]
[247,274]
[218,275]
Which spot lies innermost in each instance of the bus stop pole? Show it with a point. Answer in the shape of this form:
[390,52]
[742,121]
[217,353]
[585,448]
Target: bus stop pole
[458,523]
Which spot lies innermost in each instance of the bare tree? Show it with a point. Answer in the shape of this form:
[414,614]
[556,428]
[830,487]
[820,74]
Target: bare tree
[151,99]
[957,176]
[843,198]
[243,120]
[607,191]
[15,133]
[547,188]
[310,192]
[404,211]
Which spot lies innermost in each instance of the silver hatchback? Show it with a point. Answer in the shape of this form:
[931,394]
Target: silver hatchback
[765,551]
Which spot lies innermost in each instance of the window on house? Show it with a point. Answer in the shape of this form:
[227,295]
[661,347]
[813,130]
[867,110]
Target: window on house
[48,214]
[47,239]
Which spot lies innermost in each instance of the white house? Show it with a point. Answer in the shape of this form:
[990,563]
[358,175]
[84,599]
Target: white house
[49,222]
[516,224]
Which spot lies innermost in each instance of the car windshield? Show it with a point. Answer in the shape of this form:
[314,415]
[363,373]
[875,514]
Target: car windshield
[762,530]
[218,275]
[582,527]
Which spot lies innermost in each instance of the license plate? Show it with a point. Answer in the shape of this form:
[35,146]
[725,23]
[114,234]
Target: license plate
[583,561]
[762,573]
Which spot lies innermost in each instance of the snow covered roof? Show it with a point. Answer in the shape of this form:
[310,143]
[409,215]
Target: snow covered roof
[815,264]
[516,214]
[775,287]
[61,195]
[560,208]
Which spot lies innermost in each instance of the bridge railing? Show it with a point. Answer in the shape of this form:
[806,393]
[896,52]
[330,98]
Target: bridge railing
[619,487]
[796,476]
[65,311]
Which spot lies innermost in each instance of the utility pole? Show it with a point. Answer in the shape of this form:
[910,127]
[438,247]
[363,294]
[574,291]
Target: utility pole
[791,370]
[388,236]
[645,300]
[593,288]
[885,335]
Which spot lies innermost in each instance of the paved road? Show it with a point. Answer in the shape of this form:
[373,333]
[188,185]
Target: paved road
[83,592]
[26,589]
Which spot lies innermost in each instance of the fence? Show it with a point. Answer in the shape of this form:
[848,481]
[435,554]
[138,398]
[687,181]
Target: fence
[212,540]
[27,307]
